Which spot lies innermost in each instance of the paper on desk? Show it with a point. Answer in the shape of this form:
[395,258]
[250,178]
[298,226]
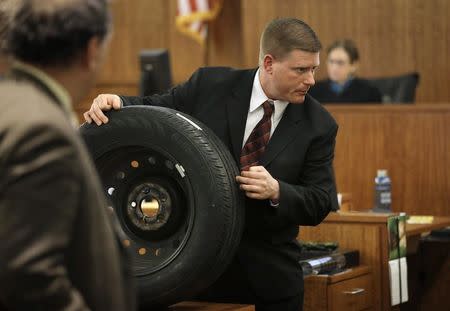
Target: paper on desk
[339,195]
[398,275]
[420,220]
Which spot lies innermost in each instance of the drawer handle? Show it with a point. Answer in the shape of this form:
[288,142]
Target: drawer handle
[354,291]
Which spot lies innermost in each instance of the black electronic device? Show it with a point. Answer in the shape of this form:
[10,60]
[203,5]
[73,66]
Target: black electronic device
[156,76]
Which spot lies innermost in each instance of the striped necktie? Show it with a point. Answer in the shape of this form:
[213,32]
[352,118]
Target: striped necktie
[257,141]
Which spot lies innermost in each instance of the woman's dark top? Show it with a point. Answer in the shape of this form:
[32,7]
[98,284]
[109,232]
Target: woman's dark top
[354,91]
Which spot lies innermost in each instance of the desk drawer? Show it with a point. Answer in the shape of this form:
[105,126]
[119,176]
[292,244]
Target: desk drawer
[353,294]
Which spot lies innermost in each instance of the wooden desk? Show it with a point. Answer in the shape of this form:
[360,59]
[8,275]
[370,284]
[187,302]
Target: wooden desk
[350,290]
[209,306]
[417,229]
[411,229]
[366,232]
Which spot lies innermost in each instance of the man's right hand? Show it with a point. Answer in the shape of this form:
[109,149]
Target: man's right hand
[103,102]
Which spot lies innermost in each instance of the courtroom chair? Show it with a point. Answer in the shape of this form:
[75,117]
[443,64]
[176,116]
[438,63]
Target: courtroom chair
[398,89]
[156,75]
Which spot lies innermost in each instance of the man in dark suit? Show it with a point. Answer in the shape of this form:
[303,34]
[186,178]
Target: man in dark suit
[58,247]
[288,180]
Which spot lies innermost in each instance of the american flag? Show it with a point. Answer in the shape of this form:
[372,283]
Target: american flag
[193,17]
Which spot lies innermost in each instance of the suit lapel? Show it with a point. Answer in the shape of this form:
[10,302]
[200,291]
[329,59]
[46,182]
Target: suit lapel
[286,131]
[237,110]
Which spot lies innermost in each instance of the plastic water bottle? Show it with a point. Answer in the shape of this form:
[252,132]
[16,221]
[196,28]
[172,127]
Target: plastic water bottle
[382,192]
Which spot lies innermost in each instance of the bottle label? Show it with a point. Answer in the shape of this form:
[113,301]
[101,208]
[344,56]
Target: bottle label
[385,198]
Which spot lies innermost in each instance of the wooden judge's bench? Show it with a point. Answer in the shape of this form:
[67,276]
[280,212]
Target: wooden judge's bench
[412,143]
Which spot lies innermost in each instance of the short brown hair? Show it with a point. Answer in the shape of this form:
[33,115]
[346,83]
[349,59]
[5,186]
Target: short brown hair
[283,35]
[348,46]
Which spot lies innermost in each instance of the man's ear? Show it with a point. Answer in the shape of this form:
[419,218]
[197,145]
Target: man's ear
[268,61]
[91,57]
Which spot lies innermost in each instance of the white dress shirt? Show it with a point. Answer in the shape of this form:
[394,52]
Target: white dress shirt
[256,110]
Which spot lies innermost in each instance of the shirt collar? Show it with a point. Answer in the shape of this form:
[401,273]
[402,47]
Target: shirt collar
[60,93]
[259,97]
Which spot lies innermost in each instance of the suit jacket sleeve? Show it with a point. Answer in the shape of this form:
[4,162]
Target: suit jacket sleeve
[309,202]
[38,207]
[181,97]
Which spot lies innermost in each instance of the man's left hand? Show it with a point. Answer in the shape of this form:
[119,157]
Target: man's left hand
[259,184]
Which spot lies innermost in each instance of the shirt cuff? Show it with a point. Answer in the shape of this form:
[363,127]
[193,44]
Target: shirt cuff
[274,203]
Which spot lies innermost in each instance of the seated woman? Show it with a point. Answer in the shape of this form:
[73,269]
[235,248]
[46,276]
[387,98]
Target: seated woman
[342,86]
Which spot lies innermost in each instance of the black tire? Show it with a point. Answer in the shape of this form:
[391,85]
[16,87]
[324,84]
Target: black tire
[172,184]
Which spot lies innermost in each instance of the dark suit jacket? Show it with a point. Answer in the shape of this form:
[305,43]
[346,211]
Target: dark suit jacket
[358,91]
[58,247]
[299,155]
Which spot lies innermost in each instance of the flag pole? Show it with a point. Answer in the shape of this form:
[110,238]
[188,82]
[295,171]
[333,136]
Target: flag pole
[206,47]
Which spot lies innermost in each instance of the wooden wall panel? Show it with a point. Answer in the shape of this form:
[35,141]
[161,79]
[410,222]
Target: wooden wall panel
[150,24]
[394,36]
[186,55]
[147,24]
[225,41]
[411,142]
[138,24]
